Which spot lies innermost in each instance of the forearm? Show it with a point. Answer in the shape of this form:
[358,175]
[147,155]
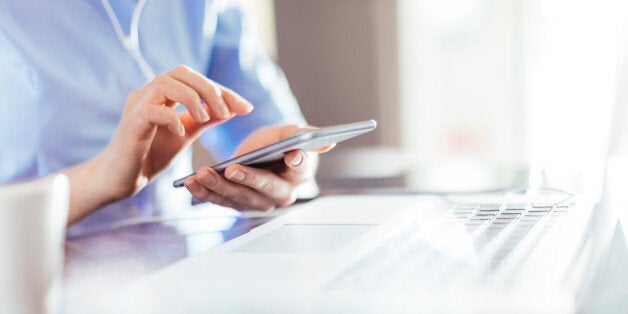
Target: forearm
[89,189]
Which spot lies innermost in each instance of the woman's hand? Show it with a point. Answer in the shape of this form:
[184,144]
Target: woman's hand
[150,134]
[264,188]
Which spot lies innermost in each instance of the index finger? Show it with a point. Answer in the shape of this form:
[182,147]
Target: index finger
[221,101]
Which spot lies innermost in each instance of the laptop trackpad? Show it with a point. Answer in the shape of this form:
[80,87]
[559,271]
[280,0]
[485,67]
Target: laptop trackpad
[305,238]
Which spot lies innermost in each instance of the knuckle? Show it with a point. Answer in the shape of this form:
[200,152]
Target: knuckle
[199,195]
[169,113]
[168,110]
[160,81]
[182,68]
[146,112]
[216,88]
[266,185]
[158,87]
[242,197]
[189,186]
[251,179]
[196,99]
[197,191]
[134,95]
[209,181]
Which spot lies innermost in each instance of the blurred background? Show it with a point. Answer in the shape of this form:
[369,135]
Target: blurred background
[470,95]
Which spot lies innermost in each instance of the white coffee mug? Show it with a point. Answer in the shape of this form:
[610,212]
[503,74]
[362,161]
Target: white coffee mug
[33,216]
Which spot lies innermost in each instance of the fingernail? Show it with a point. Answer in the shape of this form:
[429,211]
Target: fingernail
[203,114]
[237,175]
[203,174]
[181,129]
[248,106]
[296,160]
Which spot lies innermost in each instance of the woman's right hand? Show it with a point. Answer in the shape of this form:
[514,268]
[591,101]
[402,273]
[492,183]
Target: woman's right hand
[150,134]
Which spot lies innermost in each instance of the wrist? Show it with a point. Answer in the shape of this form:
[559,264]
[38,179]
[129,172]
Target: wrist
[108,176]
[88,189]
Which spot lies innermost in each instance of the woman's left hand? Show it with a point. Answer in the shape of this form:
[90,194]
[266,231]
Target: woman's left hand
[246,188]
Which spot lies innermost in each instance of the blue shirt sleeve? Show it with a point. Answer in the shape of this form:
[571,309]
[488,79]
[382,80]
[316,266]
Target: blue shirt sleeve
[239,62]
[19,114]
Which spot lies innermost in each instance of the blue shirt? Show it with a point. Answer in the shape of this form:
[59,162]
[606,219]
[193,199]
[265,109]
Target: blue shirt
[65,76]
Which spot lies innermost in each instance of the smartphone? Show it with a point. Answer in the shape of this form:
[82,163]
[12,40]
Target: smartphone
[306,140]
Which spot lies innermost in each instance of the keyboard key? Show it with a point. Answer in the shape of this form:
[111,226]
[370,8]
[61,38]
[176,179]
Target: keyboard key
[503,220]
[508,215]
[481,217]
[484,214]
[516,207]
[462,212]
[542,204]
[513,211]
[540,209]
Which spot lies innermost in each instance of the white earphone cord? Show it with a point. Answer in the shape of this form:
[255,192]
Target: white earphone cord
[131,43]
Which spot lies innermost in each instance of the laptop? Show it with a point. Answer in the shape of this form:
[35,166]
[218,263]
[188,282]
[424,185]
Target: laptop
[522,251]
[527,250]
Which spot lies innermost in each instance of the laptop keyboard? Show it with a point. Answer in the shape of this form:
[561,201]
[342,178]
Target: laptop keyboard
[488,233]
[487,221]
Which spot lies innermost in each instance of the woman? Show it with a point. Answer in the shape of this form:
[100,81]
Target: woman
[67,68]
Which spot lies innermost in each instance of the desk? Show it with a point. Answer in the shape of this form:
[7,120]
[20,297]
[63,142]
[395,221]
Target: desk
[101,262]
